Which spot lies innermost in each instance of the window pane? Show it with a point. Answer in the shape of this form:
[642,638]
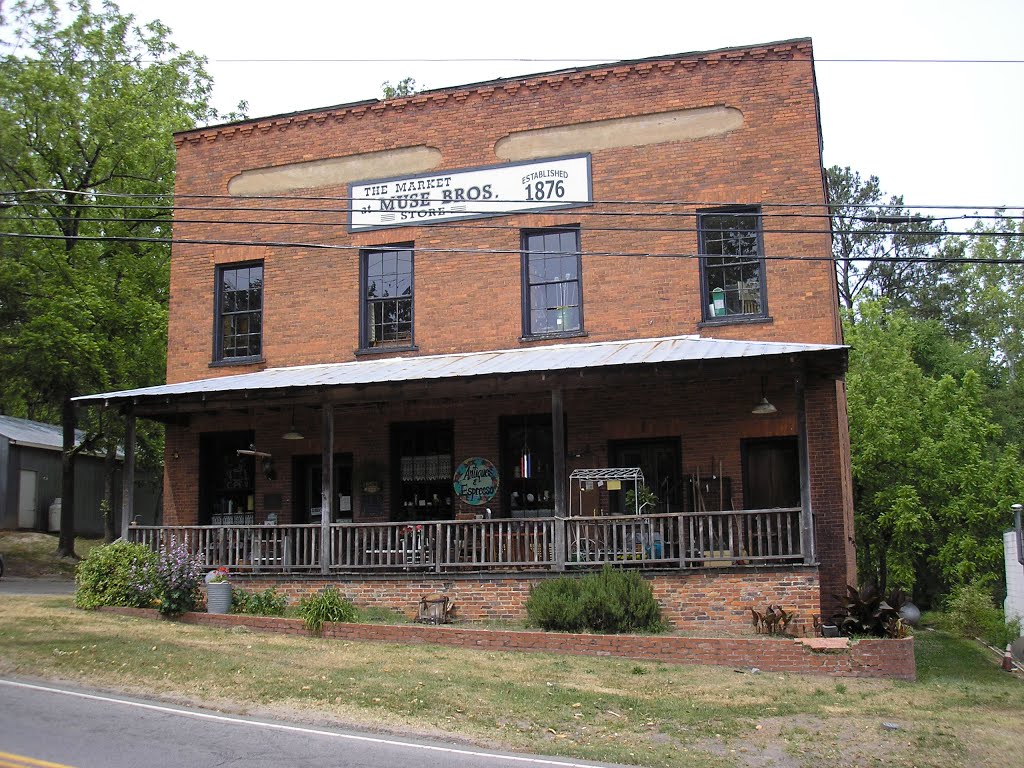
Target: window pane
[732,265]
[551,282]
[374,264]
[241,302]
[388,318]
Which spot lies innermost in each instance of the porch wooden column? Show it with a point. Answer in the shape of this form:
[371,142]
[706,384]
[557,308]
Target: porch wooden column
[326,485]
[558,449]
[806,511]
[128,475]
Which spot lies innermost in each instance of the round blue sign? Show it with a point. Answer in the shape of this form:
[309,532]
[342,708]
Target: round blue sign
[476,481]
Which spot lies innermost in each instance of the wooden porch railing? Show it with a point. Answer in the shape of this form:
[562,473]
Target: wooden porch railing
[708,539]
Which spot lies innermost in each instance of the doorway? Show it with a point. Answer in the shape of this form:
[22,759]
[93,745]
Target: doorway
[661,464]
[308,488]
[771,473]
[28,499]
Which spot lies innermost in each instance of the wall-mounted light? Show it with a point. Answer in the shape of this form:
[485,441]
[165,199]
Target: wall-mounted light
[764,408]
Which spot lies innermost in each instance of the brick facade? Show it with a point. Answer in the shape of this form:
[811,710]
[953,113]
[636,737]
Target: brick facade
[754,141]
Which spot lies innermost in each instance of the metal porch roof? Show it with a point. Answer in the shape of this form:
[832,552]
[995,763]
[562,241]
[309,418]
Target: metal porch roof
[462,365]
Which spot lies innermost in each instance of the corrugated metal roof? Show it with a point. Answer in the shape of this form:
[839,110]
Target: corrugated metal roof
[537,359]
[35,434]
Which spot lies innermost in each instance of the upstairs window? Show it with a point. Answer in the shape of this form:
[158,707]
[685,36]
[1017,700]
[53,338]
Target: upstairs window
[552,295]
[732,264]
[239,300]
[387,298]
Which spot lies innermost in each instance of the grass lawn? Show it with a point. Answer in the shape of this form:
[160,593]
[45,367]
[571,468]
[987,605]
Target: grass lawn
[35,554]
[962,711]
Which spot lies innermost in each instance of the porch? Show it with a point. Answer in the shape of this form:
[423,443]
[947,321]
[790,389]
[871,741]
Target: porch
[718,539]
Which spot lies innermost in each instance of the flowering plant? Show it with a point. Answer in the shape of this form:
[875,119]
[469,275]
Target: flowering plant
[178,573]
[217,576]
[411,529]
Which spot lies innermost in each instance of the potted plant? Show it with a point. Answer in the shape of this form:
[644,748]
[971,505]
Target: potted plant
[218,591]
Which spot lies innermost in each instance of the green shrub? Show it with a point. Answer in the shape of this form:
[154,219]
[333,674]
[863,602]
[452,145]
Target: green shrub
[611,601]
[120,574]
[971,612]
[325,606]
[266,603]
[555,605]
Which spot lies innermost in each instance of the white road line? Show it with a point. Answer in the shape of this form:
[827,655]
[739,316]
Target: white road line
[298,729]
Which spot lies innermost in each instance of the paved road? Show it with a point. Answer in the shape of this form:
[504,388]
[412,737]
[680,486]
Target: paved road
[85,729]
[21,585]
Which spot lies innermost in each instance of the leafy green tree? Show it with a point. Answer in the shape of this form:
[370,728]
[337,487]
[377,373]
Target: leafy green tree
[88,102]
[875,240]
[404,87]
[932,482]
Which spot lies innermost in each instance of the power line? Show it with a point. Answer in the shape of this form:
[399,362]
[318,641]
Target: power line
[505,251]
[516,228]
[611,61]
[692,203]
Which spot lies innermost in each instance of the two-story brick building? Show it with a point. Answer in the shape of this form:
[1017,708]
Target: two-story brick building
[435,336]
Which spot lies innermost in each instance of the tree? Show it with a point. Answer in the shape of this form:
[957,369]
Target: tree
[875,241]
[404,87]
[932,482]
[88,103]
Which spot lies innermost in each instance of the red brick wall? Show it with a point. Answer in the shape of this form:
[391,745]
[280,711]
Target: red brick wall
[712,600]
[466,301]
[892,659]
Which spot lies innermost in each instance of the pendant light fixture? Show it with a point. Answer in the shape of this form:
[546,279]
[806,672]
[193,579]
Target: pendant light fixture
[293,433]
[764,408]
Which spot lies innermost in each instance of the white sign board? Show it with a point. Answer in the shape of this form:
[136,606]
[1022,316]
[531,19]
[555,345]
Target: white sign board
[562,182]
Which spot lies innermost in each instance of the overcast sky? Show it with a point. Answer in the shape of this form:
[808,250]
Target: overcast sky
[938,133]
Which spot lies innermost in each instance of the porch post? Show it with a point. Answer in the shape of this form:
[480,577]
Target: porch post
[558,448]
[326,485]
[128,475]
[806,512]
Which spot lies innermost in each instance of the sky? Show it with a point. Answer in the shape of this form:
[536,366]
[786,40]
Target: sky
[940,134]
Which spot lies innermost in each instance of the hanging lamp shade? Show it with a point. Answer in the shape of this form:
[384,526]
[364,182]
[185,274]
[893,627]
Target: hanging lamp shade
[293,433]
[764,408]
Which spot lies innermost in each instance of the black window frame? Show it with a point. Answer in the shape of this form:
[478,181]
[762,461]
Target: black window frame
[220,356]
[528,331]
[757,262]
[401,345]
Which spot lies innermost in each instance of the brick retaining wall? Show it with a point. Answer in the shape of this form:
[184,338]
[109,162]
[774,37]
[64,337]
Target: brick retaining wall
[717,601]
[840,658]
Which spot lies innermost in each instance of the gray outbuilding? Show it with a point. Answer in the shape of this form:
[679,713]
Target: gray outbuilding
[30,482]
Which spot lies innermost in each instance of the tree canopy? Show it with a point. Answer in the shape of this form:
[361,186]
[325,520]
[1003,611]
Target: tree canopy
[934,387]
[89,100]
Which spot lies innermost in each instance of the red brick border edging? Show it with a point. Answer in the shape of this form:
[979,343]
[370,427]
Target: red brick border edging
[861,658]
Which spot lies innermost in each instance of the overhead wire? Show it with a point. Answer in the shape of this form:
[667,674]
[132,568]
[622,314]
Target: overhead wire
[464,225]
[612,201]
[501,251]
